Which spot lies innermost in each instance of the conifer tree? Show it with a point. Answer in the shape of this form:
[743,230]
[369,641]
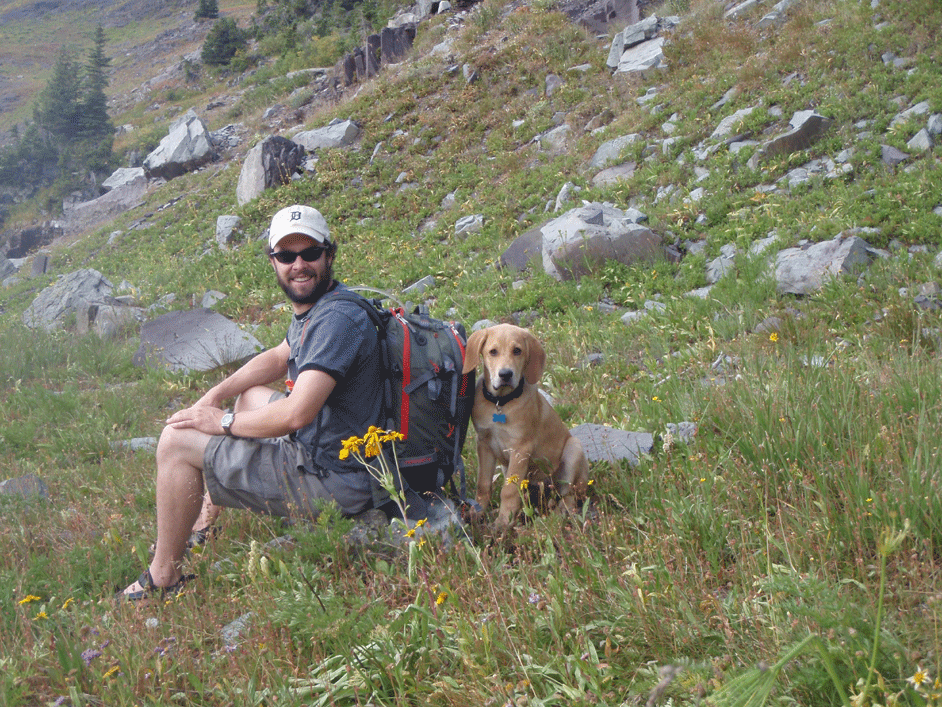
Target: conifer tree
[93,106]
[207,9]
[223,41]
[57,108]
[95,131]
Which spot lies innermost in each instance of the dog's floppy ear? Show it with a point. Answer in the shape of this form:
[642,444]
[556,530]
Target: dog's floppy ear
[536,360]
[472,351]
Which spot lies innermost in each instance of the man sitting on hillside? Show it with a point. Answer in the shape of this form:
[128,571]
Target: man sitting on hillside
[276,453]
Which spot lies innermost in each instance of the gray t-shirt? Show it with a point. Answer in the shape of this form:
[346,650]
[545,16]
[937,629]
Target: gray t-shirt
[337,337]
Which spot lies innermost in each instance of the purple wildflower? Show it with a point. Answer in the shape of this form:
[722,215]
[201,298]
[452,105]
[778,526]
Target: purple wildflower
[89,655]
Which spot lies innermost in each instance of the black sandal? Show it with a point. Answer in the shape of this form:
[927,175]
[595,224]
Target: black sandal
[149,589]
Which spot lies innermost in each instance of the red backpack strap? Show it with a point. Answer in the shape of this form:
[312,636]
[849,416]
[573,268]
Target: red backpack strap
[399,316]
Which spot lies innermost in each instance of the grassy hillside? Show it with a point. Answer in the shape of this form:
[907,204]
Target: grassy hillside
[787,555]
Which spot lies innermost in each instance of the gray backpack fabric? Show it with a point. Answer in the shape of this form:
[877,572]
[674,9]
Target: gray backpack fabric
[426,398]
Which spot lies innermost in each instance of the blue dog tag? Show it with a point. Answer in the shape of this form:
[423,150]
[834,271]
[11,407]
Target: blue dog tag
[500,417]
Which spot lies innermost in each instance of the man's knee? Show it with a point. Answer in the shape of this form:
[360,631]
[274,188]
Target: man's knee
[181,445]
[254,398]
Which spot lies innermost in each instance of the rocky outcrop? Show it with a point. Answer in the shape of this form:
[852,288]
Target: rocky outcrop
[57,306]
[186,147]
[338,133]
[580,241]
[122,177]
[19,242]
[391,46]
[128,191]
[272,162]
[803,270]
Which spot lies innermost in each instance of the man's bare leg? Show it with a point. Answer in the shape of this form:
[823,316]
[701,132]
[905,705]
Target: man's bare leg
[179,500]
[208,514]
[251,399]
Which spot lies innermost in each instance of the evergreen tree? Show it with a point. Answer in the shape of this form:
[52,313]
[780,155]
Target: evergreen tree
[222,42]
[207,9]
[71,133]
[57,108]
[94,123]
[95,130]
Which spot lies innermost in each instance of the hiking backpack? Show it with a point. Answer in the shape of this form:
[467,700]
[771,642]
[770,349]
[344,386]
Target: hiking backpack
[426,396]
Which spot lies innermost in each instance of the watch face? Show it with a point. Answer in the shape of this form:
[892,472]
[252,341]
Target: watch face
[227,420]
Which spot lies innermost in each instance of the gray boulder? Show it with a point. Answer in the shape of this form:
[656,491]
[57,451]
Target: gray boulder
[618,173]
[731,122]
[807,128]
[270,163]
[81,215]
[29,486]
[194,340]
[599,16]
[892,156]
[643,57]
[582,239]
[64,299]
[611,150]
[395,43]
[108,318]
[186,147]
[122,176]
[526,249]
[6,267]
[611,445]
[801,271]
[227,229]
[340,133]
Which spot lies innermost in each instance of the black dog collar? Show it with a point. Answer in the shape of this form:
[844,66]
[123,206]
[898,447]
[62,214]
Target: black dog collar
[501,400]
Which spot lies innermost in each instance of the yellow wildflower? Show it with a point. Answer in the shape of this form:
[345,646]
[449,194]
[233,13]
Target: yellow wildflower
[440,599]
[67,602]
[41,615]
[773,337]
[111,671]
[513,479]
[410,533]
[351,444]
[524,484]
[420,522]
[29,598]
[919,678]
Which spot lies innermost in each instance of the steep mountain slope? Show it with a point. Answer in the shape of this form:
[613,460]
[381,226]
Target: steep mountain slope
[780,548]
[143,38]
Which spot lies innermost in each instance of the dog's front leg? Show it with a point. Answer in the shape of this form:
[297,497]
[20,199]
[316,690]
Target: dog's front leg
[487,462]
[511,500]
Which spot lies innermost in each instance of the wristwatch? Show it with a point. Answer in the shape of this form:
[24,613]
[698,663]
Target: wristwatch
[226,423]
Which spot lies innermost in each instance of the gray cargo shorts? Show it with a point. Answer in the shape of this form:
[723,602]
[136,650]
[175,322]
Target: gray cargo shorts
[278,477]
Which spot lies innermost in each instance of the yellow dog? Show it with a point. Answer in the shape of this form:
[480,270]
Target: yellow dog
[516,426]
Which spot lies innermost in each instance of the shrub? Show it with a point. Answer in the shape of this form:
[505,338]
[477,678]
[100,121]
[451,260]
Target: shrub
[222,43]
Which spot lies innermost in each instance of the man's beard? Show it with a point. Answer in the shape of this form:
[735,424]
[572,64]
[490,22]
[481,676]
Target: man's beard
[320,289]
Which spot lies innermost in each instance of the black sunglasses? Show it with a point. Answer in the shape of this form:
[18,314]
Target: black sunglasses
[308,255]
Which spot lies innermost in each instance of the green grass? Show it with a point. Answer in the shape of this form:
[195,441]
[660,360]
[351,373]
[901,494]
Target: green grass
[788,554]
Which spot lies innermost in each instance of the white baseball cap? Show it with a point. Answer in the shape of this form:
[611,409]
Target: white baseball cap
[298,219]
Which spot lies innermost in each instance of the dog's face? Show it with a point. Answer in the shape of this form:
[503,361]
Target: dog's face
[508,353]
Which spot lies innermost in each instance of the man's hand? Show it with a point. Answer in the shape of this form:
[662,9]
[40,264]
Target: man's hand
[202,417]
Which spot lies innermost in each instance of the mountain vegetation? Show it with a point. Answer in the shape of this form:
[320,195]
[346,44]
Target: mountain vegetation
[71,134]
[788,553]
